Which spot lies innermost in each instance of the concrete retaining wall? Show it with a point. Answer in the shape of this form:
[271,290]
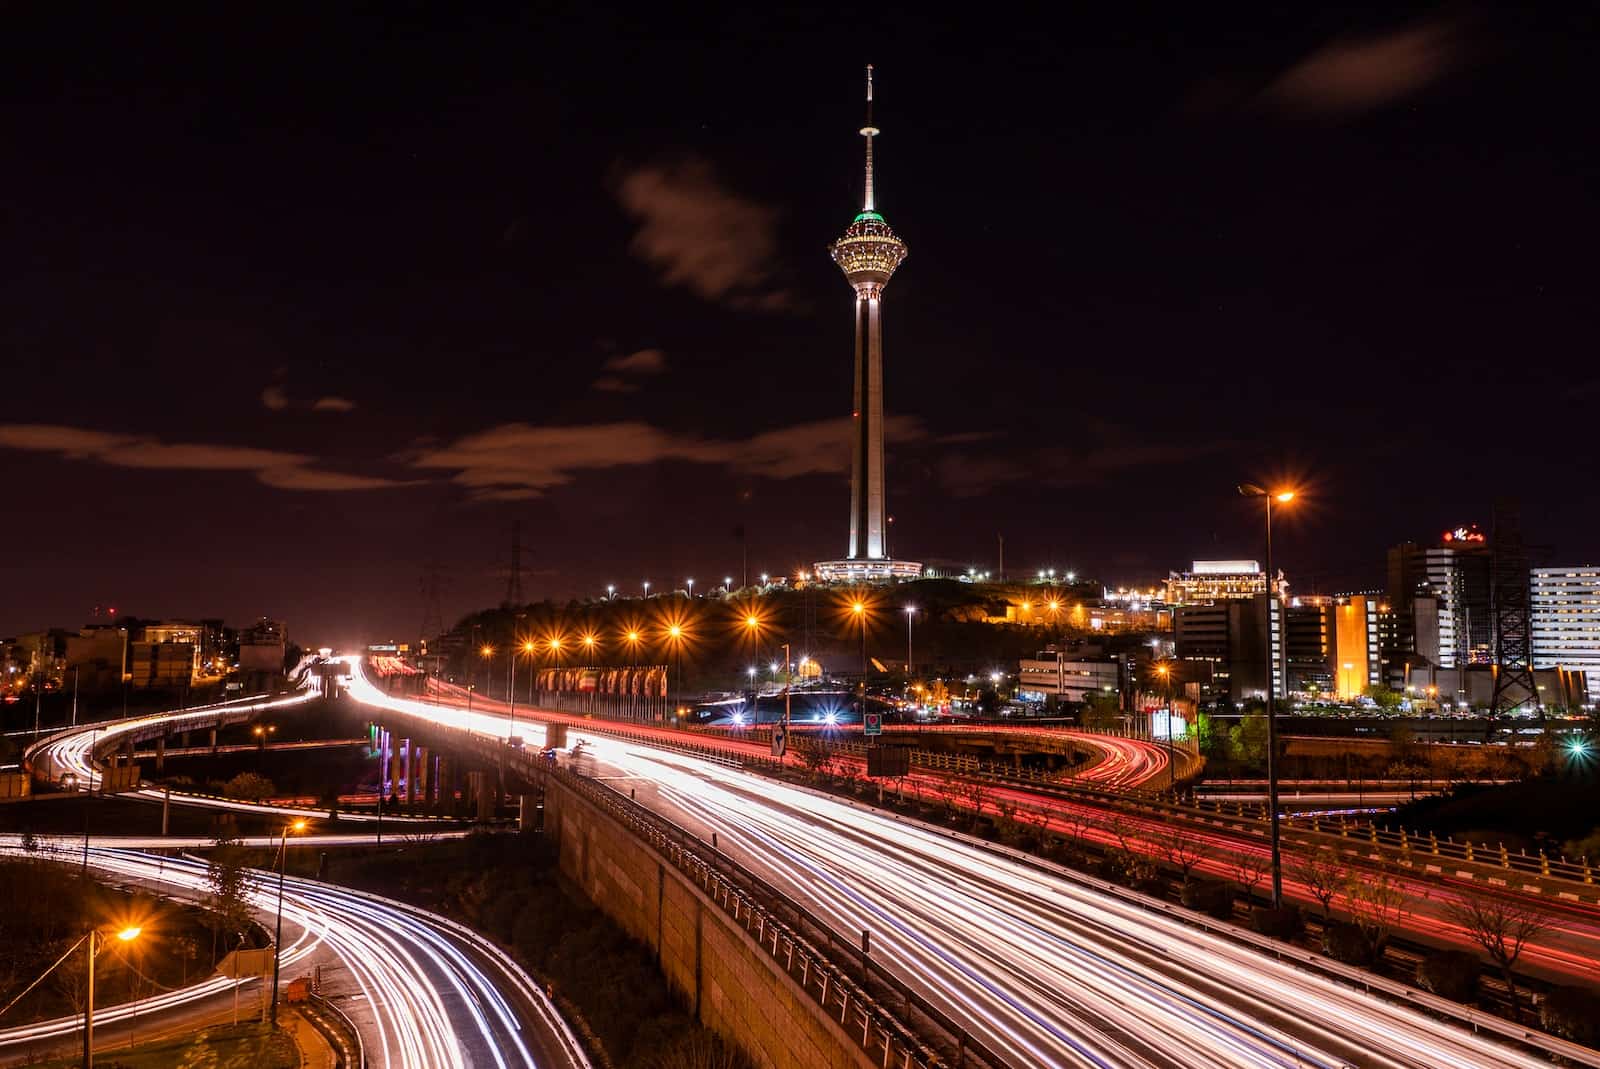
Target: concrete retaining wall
[730,982]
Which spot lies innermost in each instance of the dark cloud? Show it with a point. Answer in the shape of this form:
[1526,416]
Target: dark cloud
[618,368]
[1351,76]
[643,362]
[517,461]
[276,398]
[285,471]
[699,234]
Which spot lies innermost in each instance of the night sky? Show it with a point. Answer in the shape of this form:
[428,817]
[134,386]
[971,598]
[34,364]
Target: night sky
[296,304]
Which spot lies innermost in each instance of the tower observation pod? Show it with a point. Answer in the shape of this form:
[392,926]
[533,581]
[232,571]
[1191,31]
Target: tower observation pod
[868,253]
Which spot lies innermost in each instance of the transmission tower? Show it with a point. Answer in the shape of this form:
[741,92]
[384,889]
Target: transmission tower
[1513,623]
[514,577]
[432,610]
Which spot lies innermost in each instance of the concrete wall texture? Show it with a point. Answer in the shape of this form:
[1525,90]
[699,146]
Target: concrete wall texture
[730,983]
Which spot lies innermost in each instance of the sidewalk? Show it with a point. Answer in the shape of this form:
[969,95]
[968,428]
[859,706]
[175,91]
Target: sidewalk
[315,1053]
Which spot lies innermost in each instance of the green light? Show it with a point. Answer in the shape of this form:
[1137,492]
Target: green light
[870,216]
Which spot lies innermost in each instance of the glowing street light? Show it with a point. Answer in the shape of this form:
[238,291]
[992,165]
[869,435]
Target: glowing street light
[126,935]
[690,584]
[647,588]
[611,591]
[277,940]
[911,614]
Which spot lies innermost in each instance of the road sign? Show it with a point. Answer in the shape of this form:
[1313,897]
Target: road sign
[252,961]
[780,742]
[872,724]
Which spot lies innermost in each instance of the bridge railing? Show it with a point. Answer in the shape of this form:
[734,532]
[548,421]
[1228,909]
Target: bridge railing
[756,906]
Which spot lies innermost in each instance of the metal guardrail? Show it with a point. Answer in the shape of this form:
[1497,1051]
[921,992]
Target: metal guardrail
[350,1050]
[833,990]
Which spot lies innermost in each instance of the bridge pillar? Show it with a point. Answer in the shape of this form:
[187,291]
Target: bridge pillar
[424,781]
[161,756]
[394,765]
[213,740]
[411,773]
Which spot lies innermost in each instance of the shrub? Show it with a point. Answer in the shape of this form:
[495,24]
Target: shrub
[1349,943]
[1211,897]
[1284,923]
[1451,974]
[1571,1013]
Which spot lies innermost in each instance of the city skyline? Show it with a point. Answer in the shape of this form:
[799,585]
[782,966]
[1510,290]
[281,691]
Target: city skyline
[322,334]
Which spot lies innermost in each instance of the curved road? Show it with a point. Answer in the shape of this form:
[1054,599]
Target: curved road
[422,991]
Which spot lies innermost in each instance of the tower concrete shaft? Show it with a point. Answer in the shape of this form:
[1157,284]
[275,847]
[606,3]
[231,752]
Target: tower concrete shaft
[868,522]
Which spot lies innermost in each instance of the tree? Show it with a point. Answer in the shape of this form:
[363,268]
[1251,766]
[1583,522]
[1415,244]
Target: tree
[1181,850]
[1249,867]
[1324,873]
[229,886]
[1502,926]
[1385,699]
[1249,738]
[1101,711]
[249,787]
[1378,900]
[1213,741]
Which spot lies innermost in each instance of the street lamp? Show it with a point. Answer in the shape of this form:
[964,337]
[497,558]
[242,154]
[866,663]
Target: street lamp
[674,642]
[555,643]
[611,591]
[277,940]
[631,637]
[1283,497]
[690,584]
[859,608]
[647,588]
[911,612]
[1172,769]
[126,935]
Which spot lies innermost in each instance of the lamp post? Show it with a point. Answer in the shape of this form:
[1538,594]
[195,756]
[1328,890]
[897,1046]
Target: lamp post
[1283,497]
[590,647]
[647,588]
[859,608]
[911,612]
[126,935]
[511,684]
[674,641]
[788,684]
[632,639]
[690,584]
[277,939]
[752,628]
[1172,769]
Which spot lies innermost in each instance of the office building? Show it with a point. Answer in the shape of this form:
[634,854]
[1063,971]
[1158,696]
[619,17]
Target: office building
[1566,618]
[1218,580]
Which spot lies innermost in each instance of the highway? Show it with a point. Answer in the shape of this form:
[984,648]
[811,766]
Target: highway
[423,992]
[72,752]
[1044,968]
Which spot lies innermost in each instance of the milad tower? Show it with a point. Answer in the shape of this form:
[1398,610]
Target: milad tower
[868,254]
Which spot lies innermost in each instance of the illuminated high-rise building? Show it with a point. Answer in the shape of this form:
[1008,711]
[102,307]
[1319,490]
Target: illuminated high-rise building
[868,254]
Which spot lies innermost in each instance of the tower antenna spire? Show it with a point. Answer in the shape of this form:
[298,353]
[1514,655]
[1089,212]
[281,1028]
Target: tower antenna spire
[869,132]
